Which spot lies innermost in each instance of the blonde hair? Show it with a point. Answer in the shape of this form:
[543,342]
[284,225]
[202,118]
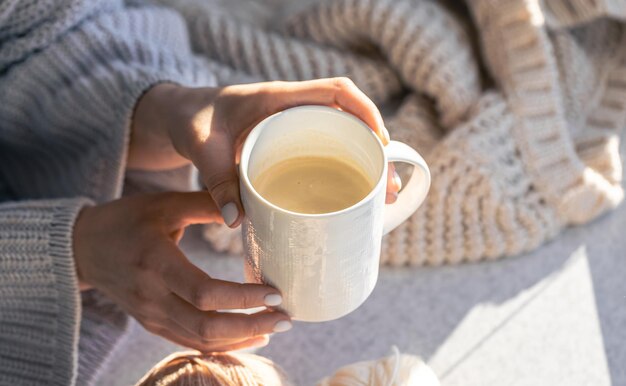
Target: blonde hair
[235,369]
[215,369]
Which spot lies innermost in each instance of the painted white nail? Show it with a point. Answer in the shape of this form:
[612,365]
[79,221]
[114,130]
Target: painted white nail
[230,213]
[282,326]
[386,134]
[397,180]
[273,300]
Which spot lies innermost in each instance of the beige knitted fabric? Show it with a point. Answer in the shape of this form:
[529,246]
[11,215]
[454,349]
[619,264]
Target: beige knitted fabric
[517,152]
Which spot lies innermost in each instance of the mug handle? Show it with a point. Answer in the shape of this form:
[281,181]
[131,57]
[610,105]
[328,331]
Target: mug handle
[414,192]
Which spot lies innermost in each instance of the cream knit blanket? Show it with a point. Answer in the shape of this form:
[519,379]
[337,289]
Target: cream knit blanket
[517,105]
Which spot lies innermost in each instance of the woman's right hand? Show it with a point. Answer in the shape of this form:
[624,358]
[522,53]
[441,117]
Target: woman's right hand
[128,250]
[207,126]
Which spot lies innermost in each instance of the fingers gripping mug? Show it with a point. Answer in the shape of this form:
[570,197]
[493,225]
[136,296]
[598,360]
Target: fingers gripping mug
[325,265]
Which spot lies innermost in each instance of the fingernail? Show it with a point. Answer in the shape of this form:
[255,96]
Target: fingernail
[230,213]
[397,180]
[282,326]
[273,300]
[386,134]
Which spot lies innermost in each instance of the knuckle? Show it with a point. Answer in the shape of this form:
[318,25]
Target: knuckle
[147,260]
[207,330]
[197,297]
[254,328]
[343,83]
[202,298]
[140,296]
[246,300]
[219,183]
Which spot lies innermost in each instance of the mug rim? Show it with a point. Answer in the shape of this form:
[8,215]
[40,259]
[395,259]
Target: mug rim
[252,137]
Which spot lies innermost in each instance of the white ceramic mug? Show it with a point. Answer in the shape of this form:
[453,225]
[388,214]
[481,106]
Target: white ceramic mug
[325,265]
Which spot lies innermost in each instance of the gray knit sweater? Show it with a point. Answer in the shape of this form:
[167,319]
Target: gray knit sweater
[70,74]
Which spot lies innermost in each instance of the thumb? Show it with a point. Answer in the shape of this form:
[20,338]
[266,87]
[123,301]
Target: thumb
[187,208]
[218,172]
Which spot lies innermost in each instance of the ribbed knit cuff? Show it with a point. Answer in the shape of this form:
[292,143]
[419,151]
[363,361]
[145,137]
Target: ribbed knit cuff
[518,52]
[39,297]
[521,56]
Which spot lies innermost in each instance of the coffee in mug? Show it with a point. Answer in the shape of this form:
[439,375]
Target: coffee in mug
[313,185]
[320,247]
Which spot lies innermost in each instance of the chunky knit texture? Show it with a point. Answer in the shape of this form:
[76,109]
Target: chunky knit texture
[70,74]
[517,152]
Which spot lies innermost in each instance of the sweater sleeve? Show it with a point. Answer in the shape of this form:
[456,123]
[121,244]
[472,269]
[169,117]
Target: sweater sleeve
[39,298]
[71,72]
[69,81]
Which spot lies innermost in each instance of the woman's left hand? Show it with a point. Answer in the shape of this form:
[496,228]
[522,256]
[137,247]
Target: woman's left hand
[173,125]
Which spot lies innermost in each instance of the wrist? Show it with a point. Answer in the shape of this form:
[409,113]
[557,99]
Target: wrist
[151,147]
[193,117]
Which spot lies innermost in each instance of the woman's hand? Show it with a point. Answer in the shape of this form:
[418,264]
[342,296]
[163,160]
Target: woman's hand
[207,126]
[128,250]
